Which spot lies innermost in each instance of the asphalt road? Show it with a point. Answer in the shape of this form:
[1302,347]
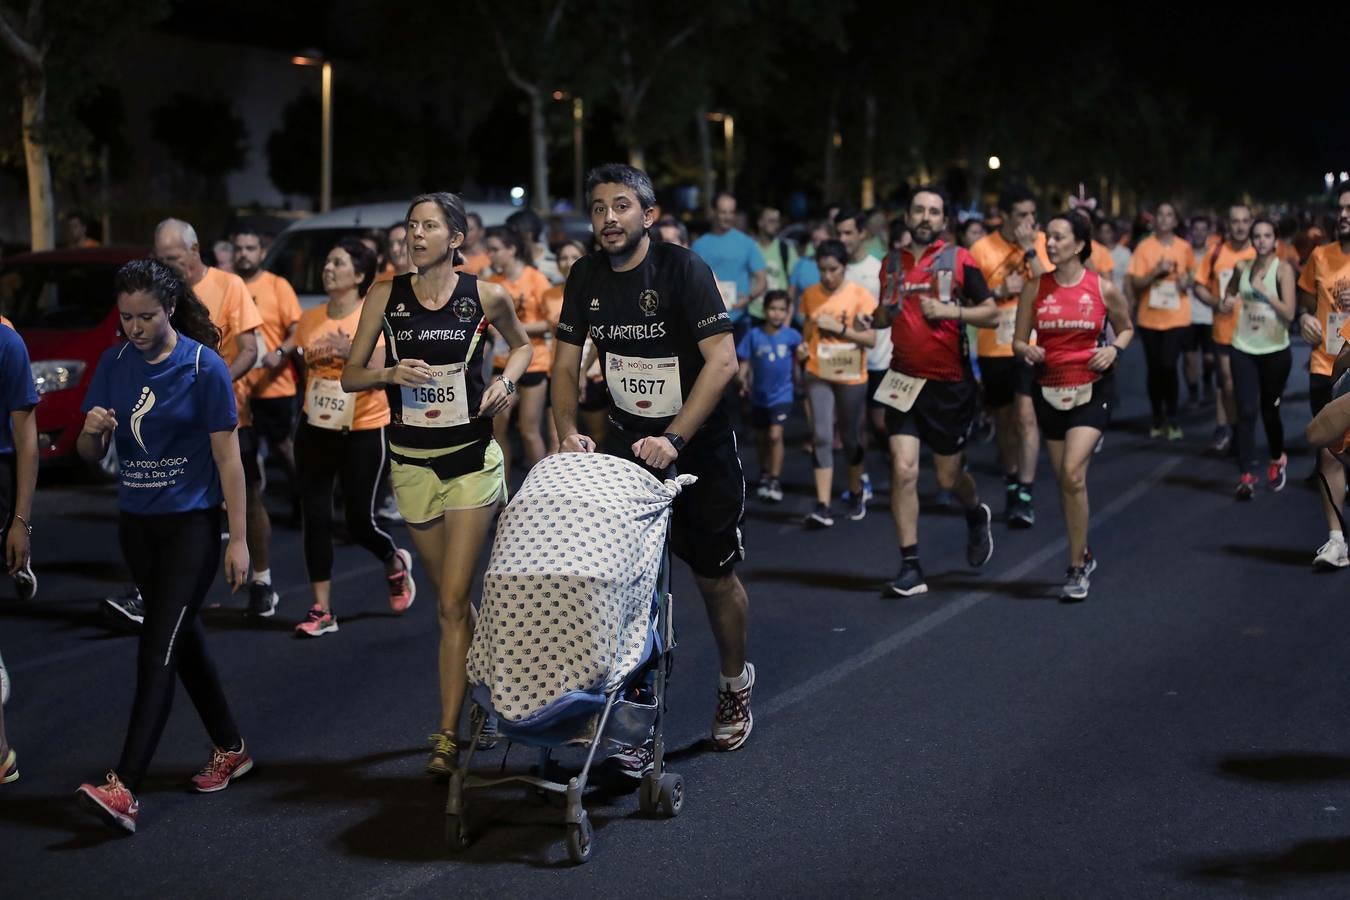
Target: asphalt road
[1182,732]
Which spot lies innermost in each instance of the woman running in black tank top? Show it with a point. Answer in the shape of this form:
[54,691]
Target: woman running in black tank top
[446,470]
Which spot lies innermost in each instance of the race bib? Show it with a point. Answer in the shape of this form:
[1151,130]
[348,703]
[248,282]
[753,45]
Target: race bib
[839,362]
[645,387]
[1007,325]
[327,405]
[728,289]
[443,402]
[899,390]
[1333,340]
[1164,295]
[1259,320]
[1066,398]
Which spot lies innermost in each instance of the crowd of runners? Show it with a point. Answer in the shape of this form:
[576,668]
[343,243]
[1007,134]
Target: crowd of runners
[449,358]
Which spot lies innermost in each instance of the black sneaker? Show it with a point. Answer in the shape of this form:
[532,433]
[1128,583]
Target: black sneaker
[774,493]
[1075,584]
[820,517]
[127,610]
[1020,513]
[980,537]
[857,509]
[25,582]
[262,600]
[910,580]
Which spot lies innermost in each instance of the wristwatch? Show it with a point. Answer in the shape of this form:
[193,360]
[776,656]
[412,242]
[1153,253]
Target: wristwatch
[508,384]
[675,441]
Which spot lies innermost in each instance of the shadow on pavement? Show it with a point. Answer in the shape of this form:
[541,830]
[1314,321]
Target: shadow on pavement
[817,578]
[1298,557]
[1268,869]
[1286,768]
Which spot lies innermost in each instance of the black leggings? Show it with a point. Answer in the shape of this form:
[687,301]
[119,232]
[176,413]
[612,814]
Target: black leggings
[356,460]
[174,560]
[1162,350]
[1258,383]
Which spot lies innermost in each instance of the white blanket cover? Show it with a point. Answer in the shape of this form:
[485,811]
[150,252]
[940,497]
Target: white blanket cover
[568,590]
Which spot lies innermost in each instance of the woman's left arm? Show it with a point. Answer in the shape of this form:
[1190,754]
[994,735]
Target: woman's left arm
[225,451]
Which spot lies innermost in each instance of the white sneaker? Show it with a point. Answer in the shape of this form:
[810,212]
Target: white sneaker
[4,682]
[1333,555]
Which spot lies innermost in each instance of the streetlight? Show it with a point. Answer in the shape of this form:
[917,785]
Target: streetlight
[729,137]
[995,163]
[315,58]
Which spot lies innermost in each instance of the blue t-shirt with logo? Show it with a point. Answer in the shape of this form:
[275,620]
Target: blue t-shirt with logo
[733,256]
[166,413]
[16,383]
[771,357]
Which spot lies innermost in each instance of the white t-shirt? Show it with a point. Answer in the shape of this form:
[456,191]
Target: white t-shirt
[868,274]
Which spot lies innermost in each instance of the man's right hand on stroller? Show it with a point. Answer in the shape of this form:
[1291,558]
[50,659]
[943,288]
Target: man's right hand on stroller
[577,443]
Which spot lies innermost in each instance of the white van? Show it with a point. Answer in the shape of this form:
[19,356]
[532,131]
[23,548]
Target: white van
[299,252]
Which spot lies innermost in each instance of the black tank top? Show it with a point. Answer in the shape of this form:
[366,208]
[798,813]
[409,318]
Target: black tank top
[440,337]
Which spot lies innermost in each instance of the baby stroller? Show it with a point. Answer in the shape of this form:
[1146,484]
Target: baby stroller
[574,635]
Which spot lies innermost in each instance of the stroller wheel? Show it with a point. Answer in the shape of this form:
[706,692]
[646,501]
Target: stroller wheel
[672,795]
[580,840]
[456,833]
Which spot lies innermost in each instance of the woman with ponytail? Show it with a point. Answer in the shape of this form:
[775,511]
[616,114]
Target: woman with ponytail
[166,398]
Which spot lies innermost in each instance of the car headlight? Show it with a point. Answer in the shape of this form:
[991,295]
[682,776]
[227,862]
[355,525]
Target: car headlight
[57,374]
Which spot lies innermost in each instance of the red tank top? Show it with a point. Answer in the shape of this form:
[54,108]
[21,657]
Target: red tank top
[1069,324]
[924,349]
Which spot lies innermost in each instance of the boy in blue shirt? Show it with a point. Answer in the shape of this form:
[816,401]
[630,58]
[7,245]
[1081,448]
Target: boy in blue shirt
[768,376]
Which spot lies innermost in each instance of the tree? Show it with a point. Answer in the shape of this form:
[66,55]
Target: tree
[61,54]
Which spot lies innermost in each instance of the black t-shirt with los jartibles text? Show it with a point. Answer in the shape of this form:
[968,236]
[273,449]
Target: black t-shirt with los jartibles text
[647,324]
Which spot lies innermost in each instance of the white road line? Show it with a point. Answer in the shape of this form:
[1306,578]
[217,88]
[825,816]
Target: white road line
[846,667]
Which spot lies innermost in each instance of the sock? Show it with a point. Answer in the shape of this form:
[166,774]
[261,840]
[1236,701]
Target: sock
[738,683]
[910,552]
[262,576]
[237,747]
[1337,536]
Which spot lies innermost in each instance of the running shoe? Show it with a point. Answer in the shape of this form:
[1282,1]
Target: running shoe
[225,766]
[389,510]
[402,588]
[127,610]
[1333,554]
[846,496]
[25,582]
[318,622]
[1157,431]
[775,492]
[634,762]
[9,769]
[1276,473]
[910,580]
[1223,438]
[262,600]
[762,490]
[980,537]
[1075,584]
[1246,488]
[732,724]
[857,510]
[488,734]
[1021,514]
[1089,562]
[444,754]
[4,682]
[1174,432]
[820,517]
[112,801]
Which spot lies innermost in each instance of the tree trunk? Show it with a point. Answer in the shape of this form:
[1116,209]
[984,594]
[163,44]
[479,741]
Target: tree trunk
[538,152]
[705,157]
[41,203]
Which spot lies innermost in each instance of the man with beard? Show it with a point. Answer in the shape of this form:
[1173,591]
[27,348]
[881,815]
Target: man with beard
[645,303]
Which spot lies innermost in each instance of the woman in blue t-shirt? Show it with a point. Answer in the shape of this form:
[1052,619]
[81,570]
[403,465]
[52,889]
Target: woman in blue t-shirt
[166,398]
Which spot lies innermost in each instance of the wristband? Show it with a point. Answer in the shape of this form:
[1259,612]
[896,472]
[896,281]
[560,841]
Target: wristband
[675,441]
[1116,347]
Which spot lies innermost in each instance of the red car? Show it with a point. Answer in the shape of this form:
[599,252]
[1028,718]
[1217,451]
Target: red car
[62,305]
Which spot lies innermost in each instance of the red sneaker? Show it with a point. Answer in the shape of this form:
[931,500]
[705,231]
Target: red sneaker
[1246,488]
[113,801]
[402,588]
[224,767]
[1275,472]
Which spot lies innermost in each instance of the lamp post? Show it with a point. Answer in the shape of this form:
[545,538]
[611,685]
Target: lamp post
[315,58]
[729,136]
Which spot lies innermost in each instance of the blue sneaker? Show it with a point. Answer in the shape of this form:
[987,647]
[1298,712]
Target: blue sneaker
[847,495]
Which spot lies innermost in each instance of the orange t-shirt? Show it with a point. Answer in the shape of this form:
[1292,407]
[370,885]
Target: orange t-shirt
[1285,251]
[475,265]
[1164,305]
[1327,277]
[998,258]
[1101,261]
[327,345]
[233,311]
[280,309]
[527,292]
[1214,273]
[845,304]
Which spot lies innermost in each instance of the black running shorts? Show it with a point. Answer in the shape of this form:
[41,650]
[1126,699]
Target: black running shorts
[940,417]
[1003,378]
